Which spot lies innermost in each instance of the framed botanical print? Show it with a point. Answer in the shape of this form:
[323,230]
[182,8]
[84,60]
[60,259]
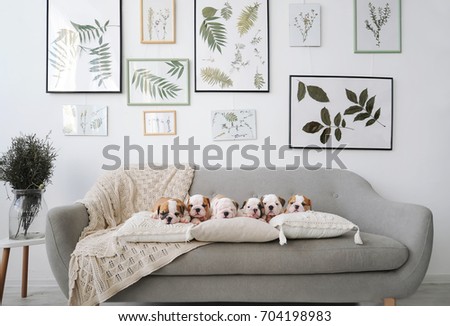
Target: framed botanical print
[158,21]
[231,45]
[341,112]
[84,46]
[233,125]
[160,123]
[304,24]
[85,120]
[158,82]
[378,26]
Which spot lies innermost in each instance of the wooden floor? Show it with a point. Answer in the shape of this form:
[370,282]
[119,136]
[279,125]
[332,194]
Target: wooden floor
[426,295]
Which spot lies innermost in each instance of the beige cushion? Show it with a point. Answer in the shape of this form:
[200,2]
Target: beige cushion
[142,227]
[238,229]
[312,225]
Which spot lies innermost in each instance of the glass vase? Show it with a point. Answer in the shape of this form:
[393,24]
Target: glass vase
[27,215]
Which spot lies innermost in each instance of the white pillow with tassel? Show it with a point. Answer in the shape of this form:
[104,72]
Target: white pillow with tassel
[313,225]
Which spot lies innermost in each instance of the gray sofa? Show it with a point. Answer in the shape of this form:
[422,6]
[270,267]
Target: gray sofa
[391,264]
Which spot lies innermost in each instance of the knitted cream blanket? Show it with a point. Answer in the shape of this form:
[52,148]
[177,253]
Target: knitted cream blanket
[100,267]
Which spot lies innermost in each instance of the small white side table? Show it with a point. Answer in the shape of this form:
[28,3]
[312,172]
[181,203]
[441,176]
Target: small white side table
[7,244]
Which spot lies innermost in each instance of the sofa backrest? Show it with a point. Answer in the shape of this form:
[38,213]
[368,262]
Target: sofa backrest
[330,190]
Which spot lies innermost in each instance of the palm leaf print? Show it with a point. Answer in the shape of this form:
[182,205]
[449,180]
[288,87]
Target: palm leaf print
[214,76]
[248,18]
[153,85]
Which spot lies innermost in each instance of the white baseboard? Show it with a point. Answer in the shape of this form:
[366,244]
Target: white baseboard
[436,279]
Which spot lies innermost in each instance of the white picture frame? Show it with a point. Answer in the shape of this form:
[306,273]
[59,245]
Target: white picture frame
[85,120]
[160,123]
[378,26]
[304,24]
[233,124]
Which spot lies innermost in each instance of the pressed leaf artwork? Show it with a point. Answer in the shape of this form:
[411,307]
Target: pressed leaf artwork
[157,21]
[231,45]
[340,110]
[83,49]
[234,125]
[158,82]
[304,24]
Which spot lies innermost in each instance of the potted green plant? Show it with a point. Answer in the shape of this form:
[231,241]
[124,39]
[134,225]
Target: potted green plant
[27,166]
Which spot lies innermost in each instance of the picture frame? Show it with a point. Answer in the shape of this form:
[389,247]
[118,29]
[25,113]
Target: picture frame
[231,45]
[158,21]
[350,112]
[84,46]
[304,24]
[85,120]
[160,123]
[158,82]
[233,124]
[378,26]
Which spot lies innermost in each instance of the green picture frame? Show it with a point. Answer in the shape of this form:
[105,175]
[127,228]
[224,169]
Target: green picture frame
[158,82]
[377,26]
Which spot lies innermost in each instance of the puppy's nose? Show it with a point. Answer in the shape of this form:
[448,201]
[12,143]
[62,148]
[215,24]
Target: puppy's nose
[271,207]
[255,210]
[226,214]
[297,206]
[197,210]
[169,220]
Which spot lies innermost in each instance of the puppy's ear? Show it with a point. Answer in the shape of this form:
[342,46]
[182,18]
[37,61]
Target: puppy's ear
[158,208]
[187,199]
[243,204]
[282,201]
[236,204]
[308,202]
[262,198]
[208,202]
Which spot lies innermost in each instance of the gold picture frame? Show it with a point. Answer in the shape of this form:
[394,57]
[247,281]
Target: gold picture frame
[158,22]
[160,123]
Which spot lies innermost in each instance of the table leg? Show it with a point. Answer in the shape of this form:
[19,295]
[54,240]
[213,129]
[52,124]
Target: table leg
[26,250]
[3,270]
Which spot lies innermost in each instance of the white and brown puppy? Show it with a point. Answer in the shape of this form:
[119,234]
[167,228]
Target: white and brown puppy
[170,210]
[273,205]
[254,208]
[223,207]
[298,203]
[199,208]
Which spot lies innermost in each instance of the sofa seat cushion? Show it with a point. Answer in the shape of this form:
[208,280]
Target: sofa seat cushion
[306,256]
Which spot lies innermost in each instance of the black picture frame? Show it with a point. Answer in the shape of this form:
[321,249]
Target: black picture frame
[341,112]
[231,46]
[84,46]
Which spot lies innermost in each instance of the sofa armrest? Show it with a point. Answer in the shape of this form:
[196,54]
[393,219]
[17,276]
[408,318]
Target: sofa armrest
[63,230]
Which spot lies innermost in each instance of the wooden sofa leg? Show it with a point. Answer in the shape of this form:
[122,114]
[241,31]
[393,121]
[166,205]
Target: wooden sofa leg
[390,302]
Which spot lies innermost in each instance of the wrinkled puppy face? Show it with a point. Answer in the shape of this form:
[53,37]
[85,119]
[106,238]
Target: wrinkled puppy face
[199,207]
[225,208]
[273,205]
[171,211]
[253,207]
[298,203]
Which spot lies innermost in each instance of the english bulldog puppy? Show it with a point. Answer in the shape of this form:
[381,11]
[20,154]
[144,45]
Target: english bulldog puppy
[254,208]
[170,210]
[199,208]
[273,205]
[223,207]
[298,203]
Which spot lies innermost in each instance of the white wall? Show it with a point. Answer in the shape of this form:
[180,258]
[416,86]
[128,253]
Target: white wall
[415,171]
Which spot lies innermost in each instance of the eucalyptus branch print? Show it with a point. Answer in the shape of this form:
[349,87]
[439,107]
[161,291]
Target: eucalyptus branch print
[212,31]
[153,85]
[304,22]
[379,17]
[248,18]
[363,108]
[214,76]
